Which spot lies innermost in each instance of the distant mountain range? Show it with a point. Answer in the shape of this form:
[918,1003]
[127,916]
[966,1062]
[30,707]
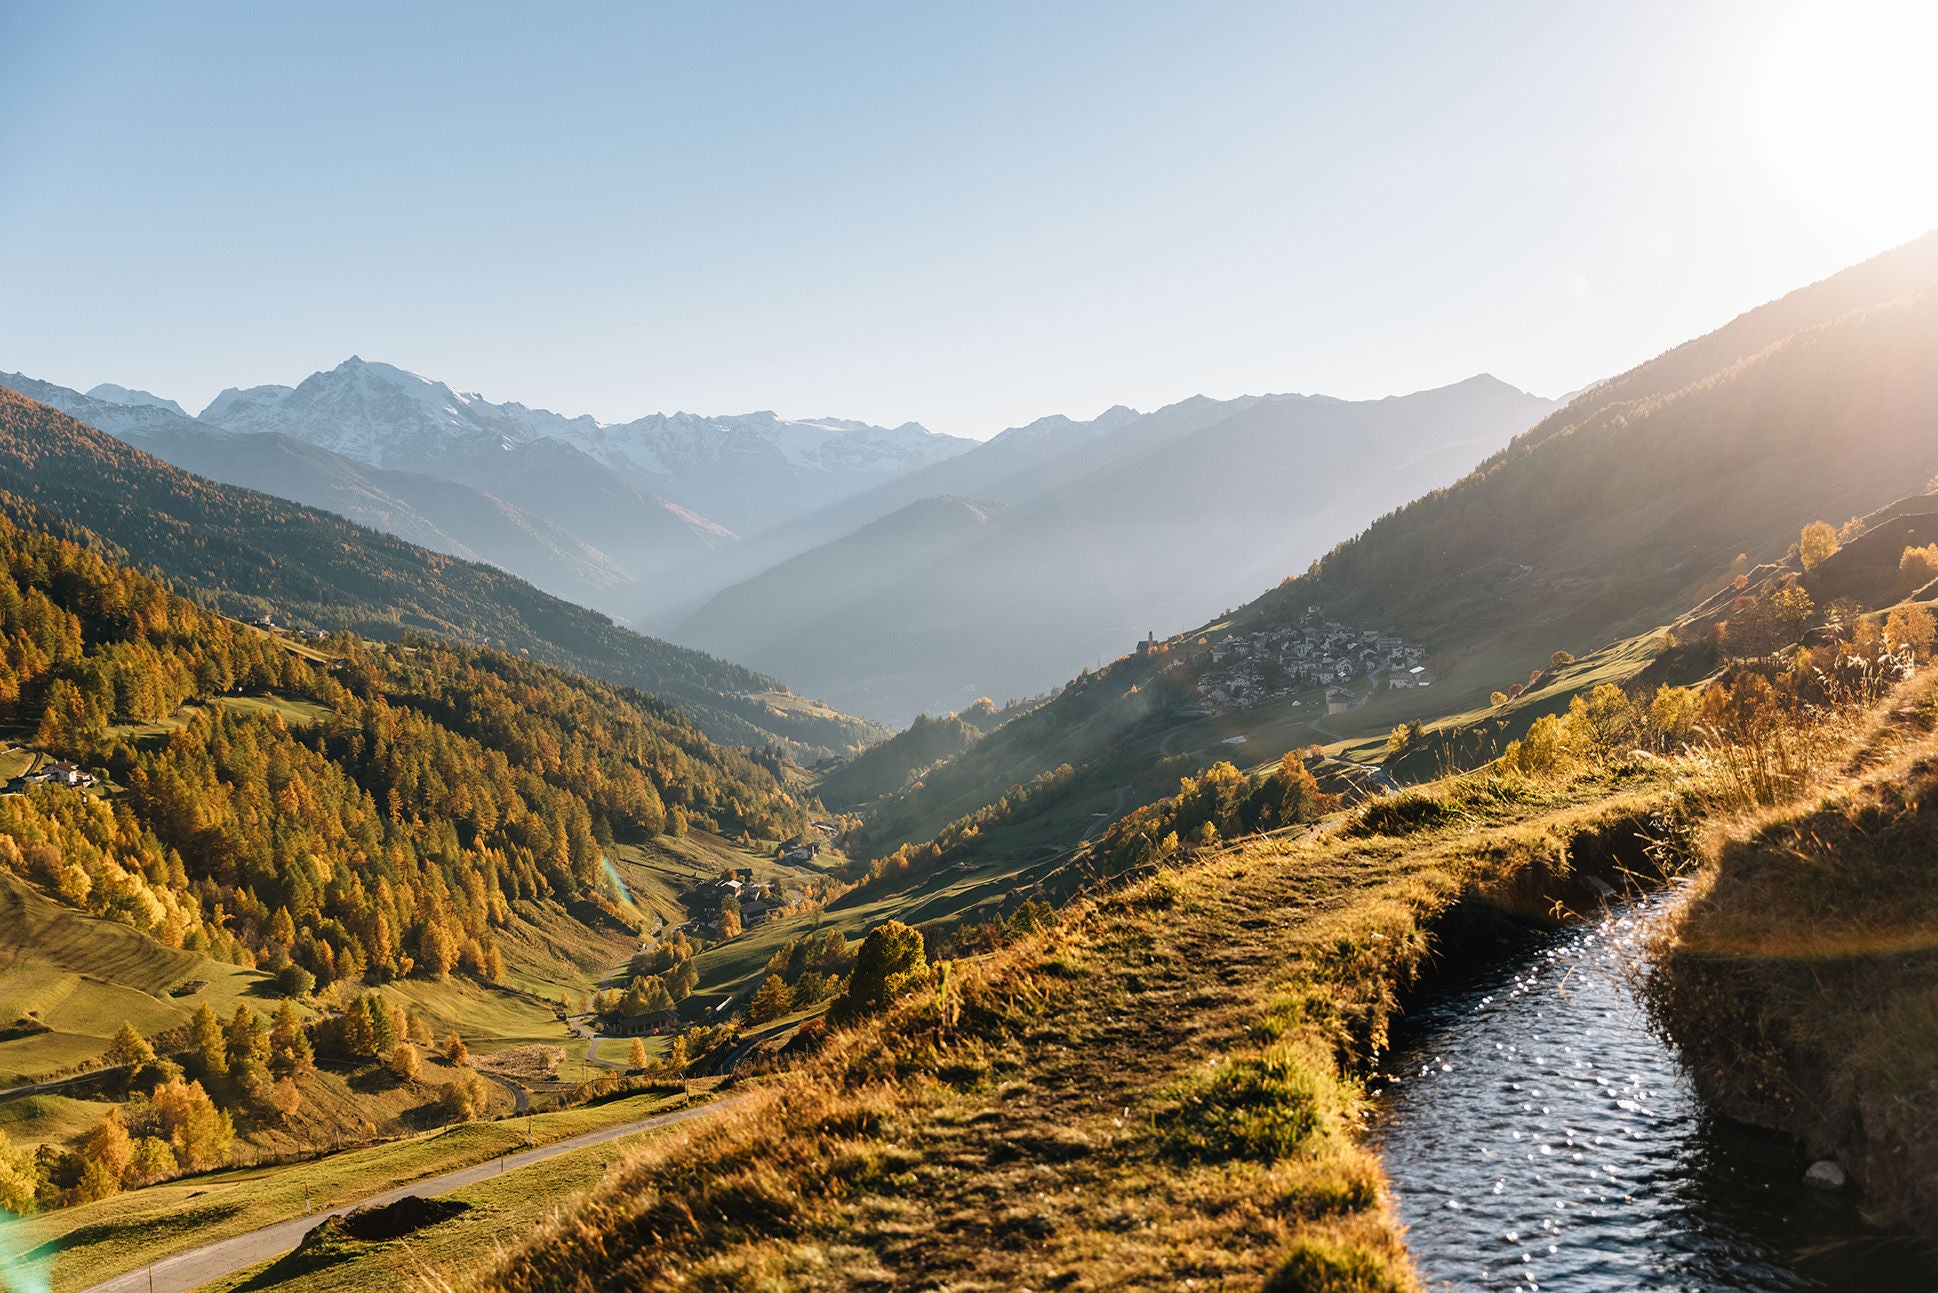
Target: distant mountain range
[443,515]
[894,568]
[1006,569]
[654,495]
[635,518]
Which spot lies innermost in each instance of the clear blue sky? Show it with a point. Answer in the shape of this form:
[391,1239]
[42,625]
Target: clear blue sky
[968,215]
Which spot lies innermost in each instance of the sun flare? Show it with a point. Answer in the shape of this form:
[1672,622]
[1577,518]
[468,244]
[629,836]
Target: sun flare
[1846,106]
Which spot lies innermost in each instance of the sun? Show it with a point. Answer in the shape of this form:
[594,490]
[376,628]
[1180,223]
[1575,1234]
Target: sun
[1844,103]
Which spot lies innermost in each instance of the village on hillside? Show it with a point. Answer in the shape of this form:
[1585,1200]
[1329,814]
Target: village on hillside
[1280,661]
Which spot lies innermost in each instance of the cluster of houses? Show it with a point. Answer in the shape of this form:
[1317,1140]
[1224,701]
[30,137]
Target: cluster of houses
[754,898]
[268,624]
[59,773]
[1272,663]
[799,851]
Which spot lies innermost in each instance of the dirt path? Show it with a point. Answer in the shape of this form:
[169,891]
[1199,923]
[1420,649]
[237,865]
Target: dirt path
[198,1266]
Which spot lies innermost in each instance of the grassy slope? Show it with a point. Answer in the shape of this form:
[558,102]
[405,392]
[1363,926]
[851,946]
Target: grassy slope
[79,1246]
[1801,980]
[1053,1119]
[82,976]
[497,1210]
[1609,516]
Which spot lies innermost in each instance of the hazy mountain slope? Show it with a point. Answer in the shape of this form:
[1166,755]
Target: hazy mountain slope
[1605,520]
[1193,522]
[458,519]
[798,600]
[885,768]
[439,514]
[1010,467]
[1608,517]
[249,554]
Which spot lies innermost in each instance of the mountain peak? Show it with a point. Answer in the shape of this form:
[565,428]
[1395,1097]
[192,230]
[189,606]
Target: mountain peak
[109,393]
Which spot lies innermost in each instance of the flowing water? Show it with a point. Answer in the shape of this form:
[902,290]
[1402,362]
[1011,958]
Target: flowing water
[1539,1136]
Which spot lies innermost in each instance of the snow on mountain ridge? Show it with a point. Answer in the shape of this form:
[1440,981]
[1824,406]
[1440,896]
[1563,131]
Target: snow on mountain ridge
[110,393]
[385,415]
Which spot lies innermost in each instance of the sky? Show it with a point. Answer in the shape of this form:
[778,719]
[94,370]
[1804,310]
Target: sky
[964,215]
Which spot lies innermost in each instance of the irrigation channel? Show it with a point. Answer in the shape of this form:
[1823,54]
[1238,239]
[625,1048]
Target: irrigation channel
[1539,1135]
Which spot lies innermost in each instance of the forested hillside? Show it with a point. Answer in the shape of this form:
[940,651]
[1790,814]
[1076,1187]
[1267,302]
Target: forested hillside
[426,790]
[250,555]
[886,768]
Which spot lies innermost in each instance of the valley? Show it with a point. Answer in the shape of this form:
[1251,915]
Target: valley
[1133,761]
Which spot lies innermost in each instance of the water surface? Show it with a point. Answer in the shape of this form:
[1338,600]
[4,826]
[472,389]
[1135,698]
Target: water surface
[1539,1136]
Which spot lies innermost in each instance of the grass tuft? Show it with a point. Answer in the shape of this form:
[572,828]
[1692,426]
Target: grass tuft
[1264,1109]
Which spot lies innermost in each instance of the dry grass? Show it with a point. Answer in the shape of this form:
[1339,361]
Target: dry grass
[1801,977]
[527,1064]
[1159,1093]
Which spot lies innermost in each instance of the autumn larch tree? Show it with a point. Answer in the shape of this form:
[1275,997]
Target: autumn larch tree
[1818,544]
[891,963]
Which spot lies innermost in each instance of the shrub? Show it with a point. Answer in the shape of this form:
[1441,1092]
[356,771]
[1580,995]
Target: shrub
[464,1097]
[295,981]
[1910,628]
[1817,544]
[200,1134]
[770,1001]
[1165,889]
[1316,1264]
[19,1177]
[1409,811]
[151,1160]
[892,963]
[1917,567]
[406,1061]
[1544,751]
[129,1047]
[286,1098]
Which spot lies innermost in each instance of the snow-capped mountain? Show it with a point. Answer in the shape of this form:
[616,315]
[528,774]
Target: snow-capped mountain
[109,393]
[440,514]
[745,472]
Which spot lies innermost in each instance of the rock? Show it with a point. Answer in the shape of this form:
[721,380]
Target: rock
[1825,1174]
[388,1221]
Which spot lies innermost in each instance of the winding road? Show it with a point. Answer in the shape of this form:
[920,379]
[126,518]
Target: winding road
[1105,819]
[198,1266]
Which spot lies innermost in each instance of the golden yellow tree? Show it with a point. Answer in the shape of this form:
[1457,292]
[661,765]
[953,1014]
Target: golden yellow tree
[1817,544]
